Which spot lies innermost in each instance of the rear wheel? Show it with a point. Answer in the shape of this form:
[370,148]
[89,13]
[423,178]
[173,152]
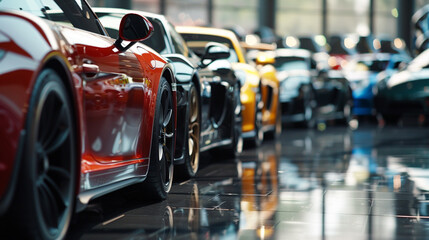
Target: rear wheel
[160,177]
[44,201]
[192,154]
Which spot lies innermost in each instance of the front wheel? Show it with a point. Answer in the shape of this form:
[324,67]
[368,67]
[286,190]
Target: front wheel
[192,154]
[44,201]
[160,177]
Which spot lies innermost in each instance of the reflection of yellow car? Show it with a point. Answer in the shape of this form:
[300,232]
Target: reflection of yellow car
[260,192]
[259,85]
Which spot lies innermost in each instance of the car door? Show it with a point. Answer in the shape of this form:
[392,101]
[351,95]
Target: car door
[113,85]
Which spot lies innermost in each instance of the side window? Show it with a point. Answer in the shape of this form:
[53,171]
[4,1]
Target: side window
[72,12]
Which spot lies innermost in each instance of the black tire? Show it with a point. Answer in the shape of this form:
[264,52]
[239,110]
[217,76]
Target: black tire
[236,146]
[257,140]
[192,148]
[274,134]
[44,201]
[160,177]
[309,108]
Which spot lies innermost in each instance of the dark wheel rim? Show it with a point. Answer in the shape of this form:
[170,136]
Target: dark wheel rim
[194,131]
[166,140]
[54,155]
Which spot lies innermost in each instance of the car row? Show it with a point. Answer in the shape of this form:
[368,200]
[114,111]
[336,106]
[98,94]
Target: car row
[259,87]
[97,100]
[208,91]
[379,78]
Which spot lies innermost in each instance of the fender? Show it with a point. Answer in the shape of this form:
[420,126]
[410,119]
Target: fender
[183,69]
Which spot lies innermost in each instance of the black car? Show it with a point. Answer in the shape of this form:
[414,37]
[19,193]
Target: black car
[208,92]
[309,94]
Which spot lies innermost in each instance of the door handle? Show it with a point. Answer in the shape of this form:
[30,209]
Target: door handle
[90,70]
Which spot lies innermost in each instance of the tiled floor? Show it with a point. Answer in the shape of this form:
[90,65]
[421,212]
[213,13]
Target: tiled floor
[333,184]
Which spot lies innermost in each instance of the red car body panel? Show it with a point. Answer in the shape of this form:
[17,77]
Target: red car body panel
[114,108]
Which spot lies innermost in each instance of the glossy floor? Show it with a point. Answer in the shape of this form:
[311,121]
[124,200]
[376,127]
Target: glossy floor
[369,183]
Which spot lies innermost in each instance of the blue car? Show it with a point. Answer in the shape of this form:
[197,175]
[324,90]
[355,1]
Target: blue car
[362,72]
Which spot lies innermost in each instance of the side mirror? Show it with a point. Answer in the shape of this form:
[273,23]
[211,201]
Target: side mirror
[214,51]
[263,58]
[133,28]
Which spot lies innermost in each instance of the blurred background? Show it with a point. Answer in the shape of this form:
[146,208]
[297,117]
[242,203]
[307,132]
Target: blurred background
[380,18]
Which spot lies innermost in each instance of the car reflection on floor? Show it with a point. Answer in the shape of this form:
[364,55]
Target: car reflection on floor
[370,183]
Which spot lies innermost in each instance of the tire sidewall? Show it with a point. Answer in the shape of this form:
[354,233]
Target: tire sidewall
[28,198]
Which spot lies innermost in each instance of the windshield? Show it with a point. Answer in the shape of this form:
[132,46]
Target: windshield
[198,42]
[74,13]
[291,63]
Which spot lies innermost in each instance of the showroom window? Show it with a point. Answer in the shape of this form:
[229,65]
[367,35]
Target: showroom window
[299,17]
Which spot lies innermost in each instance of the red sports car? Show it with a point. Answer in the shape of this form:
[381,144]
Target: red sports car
[81,114]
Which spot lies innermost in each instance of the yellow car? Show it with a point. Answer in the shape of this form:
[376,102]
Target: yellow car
[259,85]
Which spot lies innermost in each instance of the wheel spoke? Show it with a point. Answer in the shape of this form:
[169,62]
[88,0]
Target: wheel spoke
[191,143]
[193,112]
[167,118]
[56,192]
[58,141]
[169,135]
[167,152]
[165,103]
[55,126]
[49,205]
[160,151]
[46,120]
